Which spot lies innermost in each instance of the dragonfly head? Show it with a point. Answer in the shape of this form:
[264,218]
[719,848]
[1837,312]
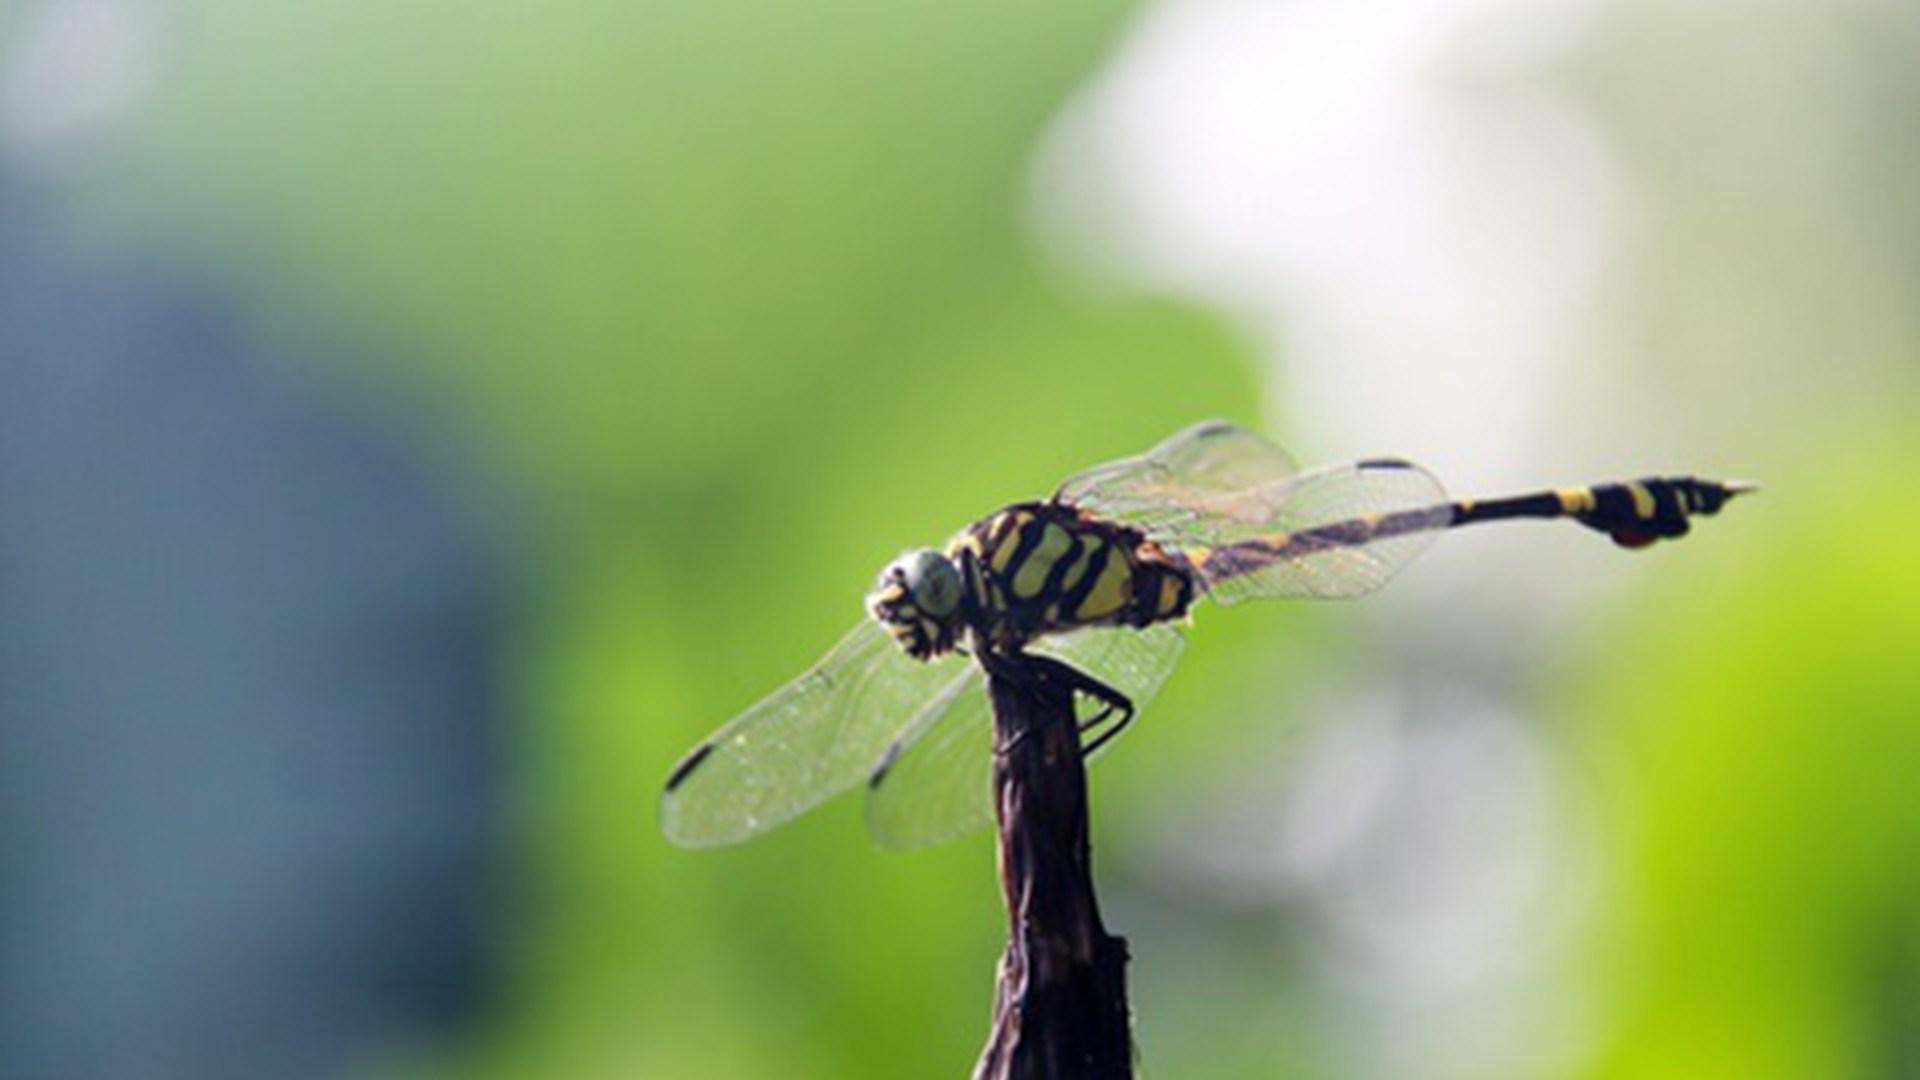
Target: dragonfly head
[917,600]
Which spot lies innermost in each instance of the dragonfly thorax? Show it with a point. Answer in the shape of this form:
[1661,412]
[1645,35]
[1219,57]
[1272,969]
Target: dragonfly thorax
[1090,578]
[918,602]
[1031,570]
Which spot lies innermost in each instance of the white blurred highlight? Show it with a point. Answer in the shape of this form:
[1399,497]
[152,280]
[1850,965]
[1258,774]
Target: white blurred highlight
[1393,200]
[77,68]
[1383,191]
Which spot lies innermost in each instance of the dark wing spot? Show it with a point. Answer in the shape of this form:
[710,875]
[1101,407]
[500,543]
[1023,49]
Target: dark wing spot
[887,760]
[688,764]
[1384,463]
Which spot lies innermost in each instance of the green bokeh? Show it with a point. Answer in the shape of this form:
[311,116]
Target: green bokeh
[1761,802]
[722,293]
[718,306]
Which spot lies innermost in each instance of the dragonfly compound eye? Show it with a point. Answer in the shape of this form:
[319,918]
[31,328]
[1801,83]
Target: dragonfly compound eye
[932,581]
[915,599]
[1100,575]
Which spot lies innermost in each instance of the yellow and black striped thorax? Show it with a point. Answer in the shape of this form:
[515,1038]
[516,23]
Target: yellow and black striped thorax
[1040,567]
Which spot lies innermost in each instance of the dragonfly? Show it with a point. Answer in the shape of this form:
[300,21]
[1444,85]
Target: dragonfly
[1092,585]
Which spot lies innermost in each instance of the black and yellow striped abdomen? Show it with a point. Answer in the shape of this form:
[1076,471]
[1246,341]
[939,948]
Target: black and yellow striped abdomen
[1042,567]
[1633,513]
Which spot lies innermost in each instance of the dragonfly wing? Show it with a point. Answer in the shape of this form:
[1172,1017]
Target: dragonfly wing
[1319,523]
[1194,476]
[936,782]
[810,740]
[1215,486]
[1134,661]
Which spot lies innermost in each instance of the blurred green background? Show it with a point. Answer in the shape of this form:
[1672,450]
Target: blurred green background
[695,314]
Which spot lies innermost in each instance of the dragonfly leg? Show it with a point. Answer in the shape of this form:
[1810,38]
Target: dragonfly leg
[1012,668]
[1079,681]
[1105,737]
[1030,671]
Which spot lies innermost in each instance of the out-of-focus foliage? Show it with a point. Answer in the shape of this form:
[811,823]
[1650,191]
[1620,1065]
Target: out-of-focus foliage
[1760,808]
[737,297]
[712,307]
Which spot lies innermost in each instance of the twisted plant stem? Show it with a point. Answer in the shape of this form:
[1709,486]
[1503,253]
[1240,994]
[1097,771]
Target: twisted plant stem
[1060,1009]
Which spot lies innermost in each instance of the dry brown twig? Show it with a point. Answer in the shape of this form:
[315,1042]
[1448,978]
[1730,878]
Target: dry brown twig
[1060,1009]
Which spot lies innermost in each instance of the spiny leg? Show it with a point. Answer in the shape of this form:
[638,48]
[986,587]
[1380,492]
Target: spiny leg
[1111,699]
[1029,670]
[1107,736]
[1012,668]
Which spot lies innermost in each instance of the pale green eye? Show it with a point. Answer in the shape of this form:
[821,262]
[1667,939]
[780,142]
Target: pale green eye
[932,581]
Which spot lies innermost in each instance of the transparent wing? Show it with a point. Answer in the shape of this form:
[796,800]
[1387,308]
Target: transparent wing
[1215,486]
[937,781]
[1333,533]
[1196,476]
[815,737]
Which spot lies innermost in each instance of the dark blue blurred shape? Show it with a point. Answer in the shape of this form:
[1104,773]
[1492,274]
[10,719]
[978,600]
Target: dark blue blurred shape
[250,779]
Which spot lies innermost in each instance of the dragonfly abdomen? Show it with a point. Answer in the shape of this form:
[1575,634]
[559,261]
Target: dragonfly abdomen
[1633,513]
[1125,545]
[1042,567]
